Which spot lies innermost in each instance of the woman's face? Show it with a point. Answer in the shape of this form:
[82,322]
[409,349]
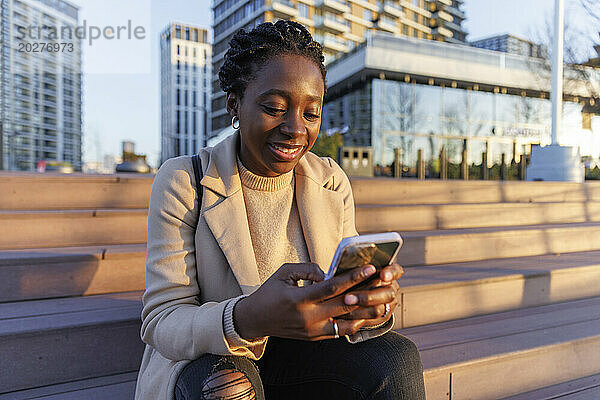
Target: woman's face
[280,114]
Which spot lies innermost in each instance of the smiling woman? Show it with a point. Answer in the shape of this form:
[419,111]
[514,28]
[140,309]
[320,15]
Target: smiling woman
[225,262]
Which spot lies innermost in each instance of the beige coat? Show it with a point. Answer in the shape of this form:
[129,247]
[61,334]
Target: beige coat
[187,290]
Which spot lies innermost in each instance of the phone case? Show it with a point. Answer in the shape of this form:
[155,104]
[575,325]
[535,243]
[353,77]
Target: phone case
[378,249]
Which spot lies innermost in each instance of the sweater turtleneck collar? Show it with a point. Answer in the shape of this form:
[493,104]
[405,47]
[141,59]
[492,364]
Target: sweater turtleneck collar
[263,183]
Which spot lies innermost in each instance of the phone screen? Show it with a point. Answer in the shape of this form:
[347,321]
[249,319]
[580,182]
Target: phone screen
[357,255]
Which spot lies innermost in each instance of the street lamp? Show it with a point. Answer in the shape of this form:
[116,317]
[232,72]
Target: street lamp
[556,162]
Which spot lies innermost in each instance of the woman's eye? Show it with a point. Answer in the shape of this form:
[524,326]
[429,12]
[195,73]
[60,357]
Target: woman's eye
[311,116]
[273,110]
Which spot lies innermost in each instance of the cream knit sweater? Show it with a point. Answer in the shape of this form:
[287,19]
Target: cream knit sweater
[275,230]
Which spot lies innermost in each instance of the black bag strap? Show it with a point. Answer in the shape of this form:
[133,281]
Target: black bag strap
[198,174]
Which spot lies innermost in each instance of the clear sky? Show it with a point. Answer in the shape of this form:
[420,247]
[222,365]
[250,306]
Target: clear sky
[127,106]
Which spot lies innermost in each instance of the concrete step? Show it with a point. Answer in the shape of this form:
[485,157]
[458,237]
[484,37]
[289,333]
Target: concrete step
[32,229]
[504,354]
[431,294]
[587,388]
[413,191]
[52,191]
[47,342]
[71,271]
[33,191]
[471,244]
[379,218]
[114,387]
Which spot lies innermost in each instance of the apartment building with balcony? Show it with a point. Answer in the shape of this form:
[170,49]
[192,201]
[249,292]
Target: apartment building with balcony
[339,25]
[40,100]
[185,74]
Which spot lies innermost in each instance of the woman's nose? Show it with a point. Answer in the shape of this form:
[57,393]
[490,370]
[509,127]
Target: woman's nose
[293,125]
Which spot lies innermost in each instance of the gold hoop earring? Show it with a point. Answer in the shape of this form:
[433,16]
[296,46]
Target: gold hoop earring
[235,119]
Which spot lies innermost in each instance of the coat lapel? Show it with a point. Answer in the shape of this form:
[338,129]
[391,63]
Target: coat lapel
[321,211]
[225,213]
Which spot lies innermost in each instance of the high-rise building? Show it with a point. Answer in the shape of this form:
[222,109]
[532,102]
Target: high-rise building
[339,25]
[40,78]
[185,75]
[512,44]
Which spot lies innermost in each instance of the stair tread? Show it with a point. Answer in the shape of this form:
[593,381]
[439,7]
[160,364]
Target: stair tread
[418,277]
[73,212]
[586,388]
[473,205]
[115,387]
[495,229]
[58,254]
[493,335]
[50,314]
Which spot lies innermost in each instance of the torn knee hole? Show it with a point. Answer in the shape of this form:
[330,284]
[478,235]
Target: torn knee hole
[228,384]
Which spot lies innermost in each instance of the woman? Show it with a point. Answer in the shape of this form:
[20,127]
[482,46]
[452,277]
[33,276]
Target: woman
[225,316]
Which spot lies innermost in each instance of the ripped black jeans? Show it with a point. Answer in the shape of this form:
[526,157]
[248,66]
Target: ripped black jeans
[385,367]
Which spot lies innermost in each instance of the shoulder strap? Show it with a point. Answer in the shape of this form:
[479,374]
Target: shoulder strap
[198,175]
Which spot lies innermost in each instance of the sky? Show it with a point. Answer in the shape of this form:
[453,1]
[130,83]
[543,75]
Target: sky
[121,106]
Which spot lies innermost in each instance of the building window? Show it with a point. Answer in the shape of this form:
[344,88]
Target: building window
[195,127]
[368,15]
[178,94]
[178,32]
[178,50]
[303,10]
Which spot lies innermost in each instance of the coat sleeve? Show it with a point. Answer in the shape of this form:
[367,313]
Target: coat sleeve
[341,183]
[174,322]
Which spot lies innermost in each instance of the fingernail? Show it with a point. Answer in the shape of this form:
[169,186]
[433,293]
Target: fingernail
[370,270]
[387,276]
[351,299]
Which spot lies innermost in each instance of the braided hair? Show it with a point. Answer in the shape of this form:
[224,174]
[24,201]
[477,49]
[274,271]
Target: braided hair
[249,51]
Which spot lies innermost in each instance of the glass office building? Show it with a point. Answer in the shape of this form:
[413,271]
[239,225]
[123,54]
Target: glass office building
[428,101]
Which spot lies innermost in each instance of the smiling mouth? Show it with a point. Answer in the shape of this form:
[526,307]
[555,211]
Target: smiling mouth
[287,153]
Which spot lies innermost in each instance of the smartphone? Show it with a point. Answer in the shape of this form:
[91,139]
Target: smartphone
[378,249]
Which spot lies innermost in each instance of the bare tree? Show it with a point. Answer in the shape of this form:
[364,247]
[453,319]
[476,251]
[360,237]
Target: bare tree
[592,8]
[576,48]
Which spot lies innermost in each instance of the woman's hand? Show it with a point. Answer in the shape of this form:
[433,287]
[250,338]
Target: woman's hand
[281,308]
[372,298]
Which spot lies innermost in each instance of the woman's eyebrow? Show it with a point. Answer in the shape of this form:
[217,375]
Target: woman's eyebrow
[286,95]
[277,92]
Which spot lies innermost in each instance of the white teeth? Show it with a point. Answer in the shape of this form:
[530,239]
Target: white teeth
[285,149]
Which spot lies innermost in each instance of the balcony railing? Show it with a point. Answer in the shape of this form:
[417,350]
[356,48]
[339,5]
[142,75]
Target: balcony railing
[392,9]
[284,7]
[441,31]
[443,16]
[335,6]
[333,25]
[335,43]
